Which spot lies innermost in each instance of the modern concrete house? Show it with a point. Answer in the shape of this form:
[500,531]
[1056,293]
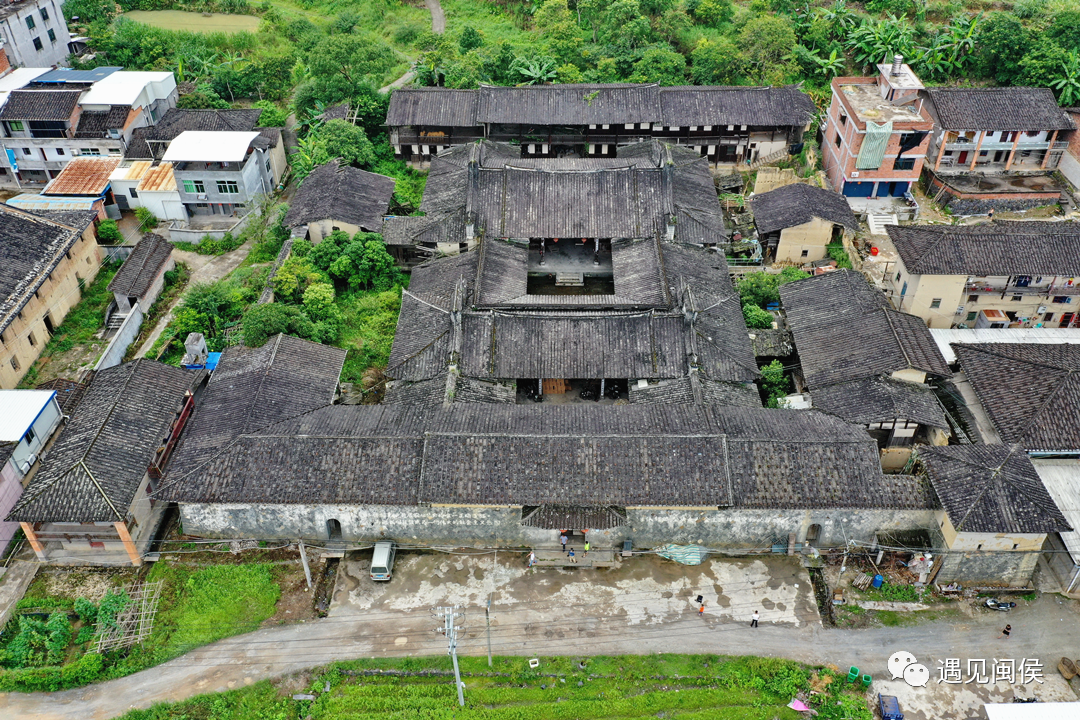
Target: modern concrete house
[993,275]
[27,423]
[875,139]
[220,172]
[92,501]
[42,262]
[796,222]
[34,33]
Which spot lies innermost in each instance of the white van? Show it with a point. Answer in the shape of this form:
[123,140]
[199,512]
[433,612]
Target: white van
[382,561]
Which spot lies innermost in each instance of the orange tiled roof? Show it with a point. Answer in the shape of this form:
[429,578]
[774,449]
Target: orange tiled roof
[83,176]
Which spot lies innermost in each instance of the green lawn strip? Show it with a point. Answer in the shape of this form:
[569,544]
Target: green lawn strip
[687,687]
[81,324]
[494,24]
[198,606]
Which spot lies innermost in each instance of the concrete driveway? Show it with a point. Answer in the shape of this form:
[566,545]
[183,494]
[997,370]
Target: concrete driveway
[644,605]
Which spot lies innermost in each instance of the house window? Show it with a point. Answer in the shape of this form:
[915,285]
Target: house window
[14,364]
[194,186]
[268,165]
[30,24]
[935,303]
[971,316]
[38,45]
[805,253]
[228,187]
[1048,317]
[59,151]
[52,35]
[898,276]
[89,151]
[44,14]
[903,164]
[1031,133]
[1017,298]
[837,138]
[133,193]
[843,119]
[1062,299]
[32,339]
[973,298]
[15,125]
[26,151]
[29,436]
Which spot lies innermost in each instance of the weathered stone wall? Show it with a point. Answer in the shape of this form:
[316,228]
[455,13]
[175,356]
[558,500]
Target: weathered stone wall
[465,526]
[990,568]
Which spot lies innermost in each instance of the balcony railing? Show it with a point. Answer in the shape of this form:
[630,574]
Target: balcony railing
[1022,145]
[984,289]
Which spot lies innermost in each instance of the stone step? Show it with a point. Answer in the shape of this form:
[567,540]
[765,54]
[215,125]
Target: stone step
[565,279]
[878,221]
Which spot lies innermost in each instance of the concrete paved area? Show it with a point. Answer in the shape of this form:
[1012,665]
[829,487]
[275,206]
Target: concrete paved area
[643,605]
[13,583]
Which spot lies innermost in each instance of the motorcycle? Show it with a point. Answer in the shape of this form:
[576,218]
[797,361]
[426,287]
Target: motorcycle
[995,604]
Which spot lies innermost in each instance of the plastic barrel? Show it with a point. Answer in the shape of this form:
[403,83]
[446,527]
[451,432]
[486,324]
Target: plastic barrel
[878,581]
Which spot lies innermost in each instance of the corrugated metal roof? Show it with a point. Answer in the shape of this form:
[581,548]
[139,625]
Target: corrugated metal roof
[29,201]
[1062,480]
[159,179]
[83,176]
[1031,336]
[66,75]
[134,171]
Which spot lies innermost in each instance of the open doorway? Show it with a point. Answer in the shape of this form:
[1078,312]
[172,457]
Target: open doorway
[813,534]
[333,530]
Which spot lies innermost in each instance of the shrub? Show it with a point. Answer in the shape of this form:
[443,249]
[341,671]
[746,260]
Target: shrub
[112,605]
[271,116]
[87,610]
[109,232]
[757,318]
[147,219]
[839,254]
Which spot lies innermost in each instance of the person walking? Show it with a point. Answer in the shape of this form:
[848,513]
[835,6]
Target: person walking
[1005,632]
[562,539]
[701,610]
[532,558]
[572,558]
[754,619]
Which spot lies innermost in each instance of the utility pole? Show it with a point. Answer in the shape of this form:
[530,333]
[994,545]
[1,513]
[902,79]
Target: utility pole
[487,617]
[450,614]
[303,559]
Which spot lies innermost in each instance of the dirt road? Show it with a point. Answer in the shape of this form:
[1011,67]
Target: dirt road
[647,605]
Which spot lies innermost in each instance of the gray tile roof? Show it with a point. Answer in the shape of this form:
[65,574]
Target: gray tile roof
[997,248]
[341,193]
[427,230]
[752,106]
[31,247]
[998,108]
[142,266]
[1030,392]
[440,107]
[881,399]
[650,455]
[93,123]
[844,330]
[255,387]
[991,489]
[151,142]
[568,104]
[793,205]
[95,468]
[40,105]
[68,393]
[693,389]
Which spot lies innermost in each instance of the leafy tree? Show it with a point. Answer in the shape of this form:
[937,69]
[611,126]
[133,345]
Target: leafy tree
[344,140]
[714,13]
[264,321]
[294,277]
[186,321]
[470,39]
[341,64]
[716,63]
[1065,29]
[271,115]
[768,40]
[660,65]
[756,317]
[1043,64]
[268,74]
[774,382]
[204,98]
[365,264]
[1000,43]
[762,288]
[109,232]
[319,300]
[310,154]
[147,219]
[329,249]
[672,24]
[624,25]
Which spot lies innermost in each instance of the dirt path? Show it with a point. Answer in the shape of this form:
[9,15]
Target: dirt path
[204,269]
[641,607]
[438,26]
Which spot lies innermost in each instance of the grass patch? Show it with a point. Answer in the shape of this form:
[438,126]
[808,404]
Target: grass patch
[80,325]
[368,330]
[674,686]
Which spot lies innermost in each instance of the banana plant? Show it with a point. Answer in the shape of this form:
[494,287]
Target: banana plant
[831,66]
[1068,85]
[533,71]
[935,58]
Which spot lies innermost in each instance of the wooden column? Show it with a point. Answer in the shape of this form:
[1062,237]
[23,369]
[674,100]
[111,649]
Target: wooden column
[39,549]
[978,146]
[941,150]
[129,545]
[1012,151]
[1046,157]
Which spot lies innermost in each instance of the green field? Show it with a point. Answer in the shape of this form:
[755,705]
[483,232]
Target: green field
[194,22]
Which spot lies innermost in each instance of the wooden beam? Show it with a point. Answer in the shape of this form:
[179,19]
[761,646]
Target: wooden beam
[39,549]
[978,146]
[1012,151]
[129,545]
[1046,157]
[941,150]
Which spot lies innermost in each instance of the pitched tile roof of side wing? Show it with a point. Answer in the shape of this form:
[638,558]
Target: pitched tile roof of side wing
[719,105]
[997,248]
[252,388]
[432,106]
[94,470]
[142,266]
[998,108]
[991,489]
[881,399]
[31,247]
[844,330]
[341,193]
[151,141]
[595,104]
[40,105]
[1030,392]
[793,205]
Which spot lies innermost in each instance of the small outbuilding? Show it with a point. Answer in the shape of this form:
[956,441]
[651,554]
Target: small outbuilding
[142,276]
[335,197]
[796,222]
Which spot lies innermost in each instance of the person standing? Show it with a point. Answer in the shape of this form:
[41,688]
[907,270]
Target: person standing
[532,558]
[701,610]
[587,546]
[572,558]
[754,619]
[1005,632]
[562,539]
